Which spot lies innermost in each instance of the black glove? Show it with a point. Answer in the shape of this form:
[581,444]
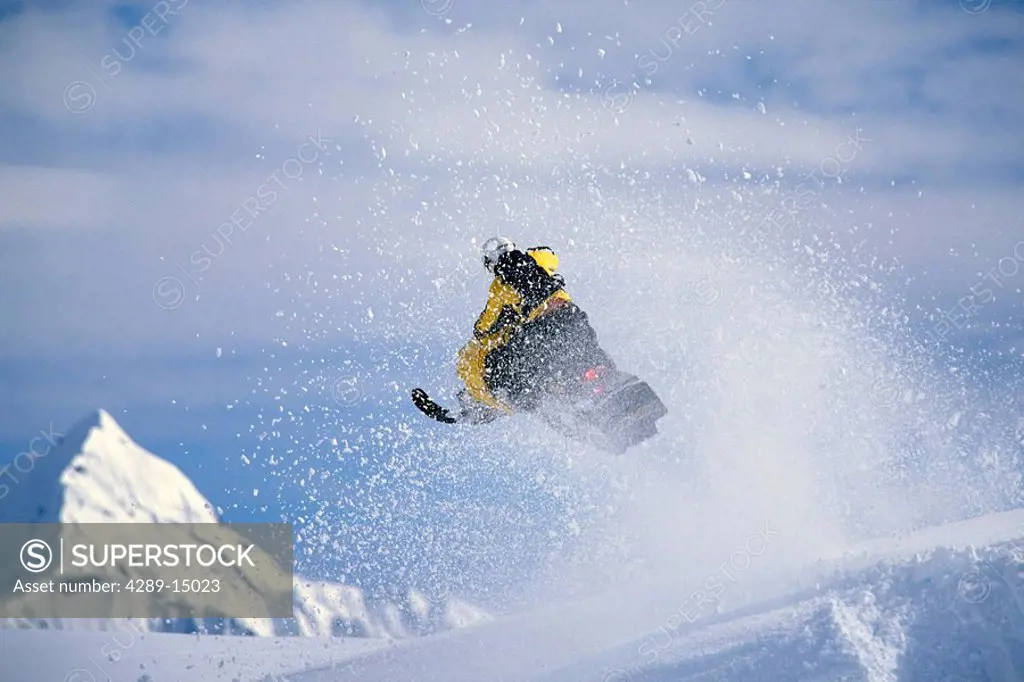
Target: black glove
[430,408]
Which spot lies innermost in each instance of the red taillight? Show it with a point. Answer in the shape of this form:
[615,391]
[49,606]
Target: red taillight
[593,374]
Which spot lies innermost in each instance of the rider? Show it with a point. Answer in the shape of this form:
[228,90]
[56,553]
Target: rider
[529,331]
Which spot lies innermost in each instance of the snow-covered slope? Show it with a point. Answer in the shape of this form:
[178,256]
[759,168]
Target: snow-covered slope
[941,604]
[97,474]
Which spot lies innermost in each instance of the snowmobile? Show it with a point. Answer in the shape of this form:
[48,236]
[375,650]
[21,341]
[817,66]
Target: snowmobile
[605,407]
[534,351]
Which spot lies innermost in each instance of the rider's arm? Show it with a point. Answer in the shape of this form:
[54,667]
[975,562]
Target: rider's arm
[499,311]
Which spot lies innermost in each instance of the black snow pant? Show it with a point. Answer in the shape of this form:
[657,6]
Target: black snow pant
[558,347]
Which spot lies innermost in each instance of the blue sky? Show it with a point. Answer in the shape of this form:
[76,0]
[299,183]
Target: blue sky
[379,140]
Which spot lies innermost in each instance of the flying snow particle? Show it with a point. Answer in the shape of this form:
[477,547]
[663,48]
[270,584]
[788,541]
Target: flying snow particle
[761,108]
[219,352]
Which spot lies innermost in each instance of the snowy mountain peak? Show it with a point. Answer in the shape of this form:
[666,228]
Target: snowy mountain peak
[97,474]
[102,420]
[99,424]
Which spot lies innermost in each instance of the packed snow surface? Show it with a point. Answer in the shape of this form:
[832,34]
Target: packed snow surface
[939,604]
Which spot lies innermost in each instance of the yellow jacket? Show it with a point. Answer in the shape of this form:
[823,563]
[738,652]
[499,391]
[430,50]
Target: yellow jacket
[501,315]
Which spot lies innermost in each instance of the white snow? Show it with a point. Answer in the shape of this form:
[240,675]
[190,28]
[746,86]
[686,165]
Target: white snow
[942,604]
[97,474]
[124,654]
